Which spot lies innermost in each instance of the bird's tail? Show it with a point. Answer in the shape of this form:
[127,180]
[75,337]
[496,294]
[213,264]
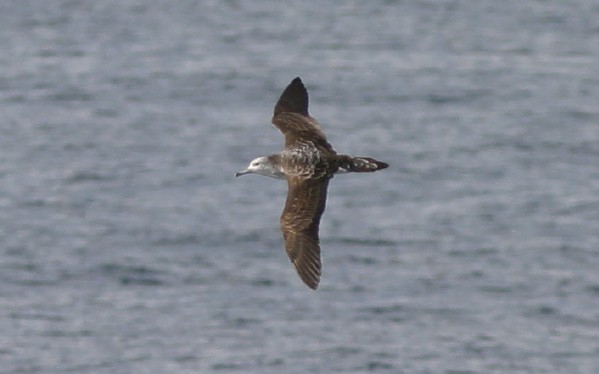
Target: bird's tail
[360,164]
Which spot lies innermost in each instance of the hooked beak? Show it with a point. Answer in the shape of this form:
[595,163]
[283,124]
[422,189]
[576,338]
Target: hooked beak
[243,172]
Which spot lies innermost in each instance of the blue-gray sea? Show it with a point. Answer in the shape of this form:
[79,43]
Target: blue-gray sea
[127,245]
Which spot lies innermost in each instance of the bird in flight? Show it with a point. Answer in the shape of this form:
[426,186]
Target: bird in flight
[308,162]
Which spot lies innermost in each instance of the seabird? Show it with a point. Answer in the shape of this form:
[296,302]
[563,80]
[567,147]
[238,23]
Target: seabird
[308,162]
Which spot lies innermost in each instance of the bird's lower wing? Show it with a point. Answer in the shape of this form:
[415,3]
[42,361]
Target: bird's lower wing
[306,200]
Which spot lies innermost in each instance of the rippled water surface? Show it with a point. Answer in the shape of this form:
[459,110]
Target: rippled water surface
[127,246]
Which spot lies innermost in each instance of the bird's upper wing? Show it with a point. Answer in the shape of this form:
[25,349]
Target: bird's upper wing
[306,200]
[291,115]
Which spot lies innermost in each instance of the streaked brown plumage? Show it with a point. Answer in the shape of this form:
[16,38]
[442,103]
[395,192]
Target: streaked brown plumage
[308,162]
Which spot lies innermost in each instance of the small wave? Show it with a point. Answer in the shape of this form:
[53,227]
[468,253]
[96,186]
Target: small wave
[133,275]
[182,239]
[364,260]
[593,289]
[386,309]
[87,176]
[367,241]
[70,94]
[37,317]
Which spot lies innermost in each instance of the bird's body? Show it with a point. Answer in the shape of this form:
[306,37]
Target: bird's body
[307,162]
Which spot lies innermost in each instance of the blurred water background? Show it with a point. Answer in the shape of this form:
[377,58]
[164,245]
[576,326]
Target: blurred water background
[127,246]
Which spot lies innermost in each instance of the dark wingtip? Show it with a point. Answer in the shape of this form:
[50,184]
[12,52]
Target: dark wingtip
[294,99]
[310,278]
[312,283]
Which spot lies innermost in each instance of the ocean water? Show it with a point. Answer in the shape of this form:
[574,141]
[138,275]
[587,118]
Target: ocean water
[127,245]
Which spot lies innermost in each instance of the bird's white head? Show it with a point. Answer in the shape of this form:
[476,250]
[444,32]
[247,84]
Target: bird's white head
[262,166]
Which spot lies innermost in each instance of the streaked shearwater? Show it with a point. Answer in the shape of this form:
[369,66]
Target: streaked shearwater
[308,162]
